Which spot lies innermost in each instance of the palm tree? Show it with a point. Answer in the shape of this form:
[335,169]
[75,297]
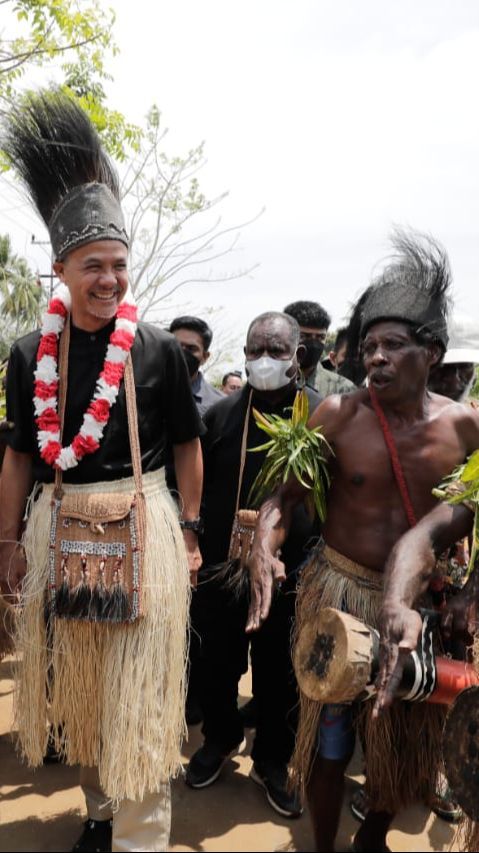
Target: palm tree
[21,297]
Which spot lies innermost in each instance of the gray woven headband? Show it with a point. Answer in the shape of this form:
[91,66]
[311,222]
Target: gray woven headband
[87,213]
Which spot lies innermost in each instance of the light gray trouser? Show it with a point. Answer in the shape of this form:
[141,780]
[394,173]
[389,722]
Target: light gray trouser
[137,826]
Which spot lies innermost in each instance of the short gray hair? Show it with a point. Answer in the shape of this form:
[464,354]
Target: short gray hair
[272,316]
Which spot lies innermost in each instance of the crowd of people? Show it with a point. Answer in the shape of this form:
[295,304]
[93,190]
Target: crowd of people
[100,405]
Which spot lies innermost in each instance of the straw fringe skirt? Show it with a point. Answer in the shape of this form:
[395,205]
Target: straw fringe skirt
[114,694]
[402,748]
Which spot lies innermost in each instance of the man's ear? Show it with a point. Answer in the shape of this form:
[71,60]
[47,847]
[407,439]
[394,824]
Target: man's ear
[300,353]
[59,270]
[206,356]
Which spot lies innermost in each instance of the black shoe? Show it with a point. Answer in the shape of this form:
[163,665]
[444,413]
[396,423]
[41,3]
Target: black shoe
[248,714]
[206,765]
[95,838]
[273,778]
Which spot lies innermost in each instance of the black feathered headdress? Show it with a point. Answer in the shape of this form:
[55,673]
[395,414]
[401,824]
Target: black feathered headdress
[413,288]
[57,153]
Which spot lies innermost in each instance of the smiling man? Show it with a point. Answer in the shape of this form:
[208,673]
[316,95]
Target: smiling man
[110,684]
[403,332]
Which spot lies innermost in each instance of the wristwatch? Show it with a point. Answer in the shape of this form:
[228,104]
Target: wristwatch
[194,524]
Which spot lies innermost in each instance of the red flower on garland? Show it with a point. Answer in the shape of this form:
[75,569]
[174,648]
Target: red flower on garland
[45,390]
[100,409]
[83,444]
[113,372]
[56,306]
[50,452]
[127,311]
[121,338]
[49,421]
[48,346]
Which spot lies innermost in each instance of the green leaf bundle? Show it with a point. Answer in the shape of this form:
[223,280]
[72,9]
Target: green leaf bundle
[292,450]
[460,487]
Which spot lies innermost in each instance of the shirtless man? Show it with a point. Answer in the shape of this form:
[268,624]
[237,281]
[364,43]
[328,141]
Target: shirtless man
[403,333]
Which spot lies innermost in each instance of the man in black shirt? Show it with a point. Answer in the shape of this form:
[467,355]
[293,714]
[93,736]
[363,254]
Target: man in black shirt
[219,616]
[194,337]
[114,693]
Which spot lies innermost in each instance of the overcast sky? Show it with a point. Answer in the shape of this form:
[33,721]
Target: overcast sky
[340,117]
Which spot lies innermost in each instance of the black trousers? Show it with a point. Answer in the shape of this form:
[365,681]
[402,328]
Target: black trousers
[219,619]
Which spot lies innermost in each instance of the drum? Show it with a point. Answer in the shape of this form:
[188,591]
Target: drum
[336,660]
[334,657]
[460,747]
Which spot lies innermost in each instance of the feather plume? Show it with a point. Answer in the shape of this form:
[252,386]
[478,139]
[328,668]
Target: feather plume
[53,146]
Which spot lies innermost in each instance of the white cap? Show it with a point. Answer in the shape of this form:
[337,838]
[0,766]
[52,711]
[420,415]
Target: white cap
[463,346]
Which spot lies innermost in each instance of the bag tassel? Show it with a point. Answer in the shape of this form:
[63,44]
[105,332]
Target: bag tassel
[80,598]
[62,599]
[117,608]
[100,596]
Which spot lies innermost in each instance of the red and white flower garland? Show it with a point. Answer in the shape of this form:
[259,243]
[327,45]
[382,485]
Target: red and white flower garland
[45,400]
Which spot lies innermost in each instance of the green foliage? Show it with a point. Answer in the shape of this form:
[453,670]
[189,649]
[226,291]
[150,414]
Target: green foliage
[21,297]
[463,485]
[75,35]
[292,450]
[474,393]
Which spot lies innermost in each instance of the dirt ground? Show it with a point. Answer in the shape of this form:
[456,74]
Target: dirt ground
[42,810]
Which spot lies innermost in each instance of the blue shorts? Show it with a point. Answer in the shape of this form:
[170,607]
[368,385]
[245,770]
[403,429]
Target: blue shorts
[336,735]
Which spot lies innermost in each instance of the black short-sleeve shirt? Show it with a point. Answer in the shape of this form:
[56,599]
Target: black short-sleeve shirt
[167,413]
[222,454]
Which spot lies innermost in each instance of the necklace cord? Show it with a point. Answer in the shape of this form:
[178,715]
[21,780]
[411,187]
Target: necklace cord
[394,456]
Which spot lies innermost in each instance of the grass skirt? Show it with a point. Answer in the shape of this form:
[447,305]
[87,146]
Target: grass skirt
[403,748]
[114,694]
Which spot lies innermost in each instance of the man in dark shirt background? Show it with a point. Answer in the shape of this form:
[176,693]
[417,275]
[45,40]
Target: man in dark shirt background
[194,337]
[314,322]
[218,616]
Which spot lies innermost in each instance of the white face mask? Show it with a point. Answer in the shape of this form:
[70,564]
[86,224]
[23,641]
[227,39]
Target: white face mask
[268,374]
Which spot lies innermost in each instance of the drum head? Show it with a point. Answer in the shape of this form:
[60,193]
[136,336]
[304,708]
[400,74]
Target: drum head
[460,747]
[333,656]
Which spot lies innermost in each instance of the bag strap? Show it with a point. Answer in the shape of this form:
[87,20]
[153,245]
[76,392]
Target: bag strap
[244,442]
[131,410]
[394,456]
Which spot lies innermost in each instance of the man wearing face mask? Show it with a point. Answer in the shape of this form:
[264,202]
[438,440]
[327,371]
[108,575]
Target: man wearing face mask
[219,615]
[314,323]
[194,337]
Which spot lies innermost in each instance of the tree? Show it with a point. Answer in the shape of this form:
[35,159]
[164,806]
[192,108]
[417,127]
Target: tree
[21,297]
[169,247]
[76,35]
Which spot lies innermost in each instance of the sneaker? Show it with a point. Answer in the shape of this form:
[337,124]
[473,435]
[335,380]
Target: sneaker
[359,804]
[274,779]
[206,765]
[96,836]
[446,807]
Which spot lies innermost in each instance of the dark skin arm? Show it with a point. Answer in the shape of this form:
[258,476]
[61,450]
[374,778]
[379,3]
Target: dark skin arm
[265,568]
[15,486]
[273,526]
[407,575]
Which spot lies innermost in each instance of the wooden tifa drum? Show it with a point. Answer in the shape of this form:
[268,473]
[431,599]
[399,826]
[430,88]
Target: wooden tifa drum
[336,660]
[334,657]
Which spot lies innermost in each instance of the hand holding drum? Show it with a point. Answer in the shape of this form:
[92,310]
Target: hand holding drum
[336,660]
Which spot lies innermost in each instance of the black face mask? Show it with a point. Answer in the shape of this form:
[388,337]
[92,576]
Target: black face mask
[192,363]
[310,357]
